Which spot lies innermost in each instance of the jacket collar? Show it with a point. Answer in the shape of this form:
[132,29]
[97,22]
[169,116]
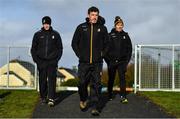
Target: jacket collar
[50,29]
[114,31]
[101,20]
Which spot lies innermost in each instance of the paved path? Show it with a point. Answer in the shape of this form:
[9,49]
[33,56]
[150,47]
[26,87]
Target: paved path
[68,106]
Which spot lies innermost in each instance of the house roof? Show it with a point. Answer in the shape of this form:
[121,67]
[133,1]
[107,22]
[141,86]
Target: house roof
[29,66]
[72,72]
[20,78]
[59,74]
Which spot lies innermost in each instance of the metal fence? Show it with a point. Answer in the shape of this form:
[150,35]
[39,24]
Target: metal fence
[17,70]
[157,68]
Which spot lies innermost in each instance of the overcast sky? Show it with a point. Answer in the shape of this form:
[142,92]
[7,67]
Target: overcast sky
[146,21]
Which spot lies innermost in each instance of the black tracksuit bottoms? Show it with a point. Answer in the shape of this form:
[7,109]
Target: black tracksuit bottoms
[90,74]
[121,68]
[47,81]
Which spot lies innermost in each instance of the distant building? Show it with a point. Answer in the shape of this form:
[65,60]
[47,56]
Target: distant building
[67,73]
[21,73]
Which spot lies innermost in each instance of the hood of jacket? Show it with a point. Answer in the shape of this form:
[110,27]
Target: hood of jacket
[113,30]
[100,20]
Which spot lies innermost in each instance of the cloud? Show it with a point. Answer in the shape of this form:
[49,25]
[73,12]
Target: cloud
[157,29]
[146,21]
[68,56]
[14,32]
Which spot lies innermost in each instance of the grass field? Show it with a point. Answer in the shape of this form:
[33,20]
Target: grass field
[169,101]
[17,104]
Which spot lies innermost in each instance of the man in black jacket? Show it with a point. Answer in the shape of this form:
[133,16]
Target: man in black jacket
[46,52]
[90,44]
[118,56]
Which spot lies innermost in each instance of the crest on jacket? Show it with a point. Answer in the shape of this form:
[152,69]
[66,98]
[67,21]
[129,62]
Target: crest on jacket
[41,36]
[98,30]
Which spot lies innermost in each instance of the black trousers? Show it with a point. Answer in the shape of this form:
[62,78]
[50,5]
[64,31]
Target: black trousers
[47,81]
[90,74]
[121,68]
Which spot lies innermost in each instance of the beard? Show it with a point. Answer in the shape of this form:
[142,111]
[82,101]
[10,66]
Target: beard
[94,21]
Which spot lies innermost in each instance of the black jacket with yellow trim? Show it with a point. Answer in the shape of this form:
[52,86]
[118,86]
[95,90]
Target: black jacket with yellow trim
[90,41]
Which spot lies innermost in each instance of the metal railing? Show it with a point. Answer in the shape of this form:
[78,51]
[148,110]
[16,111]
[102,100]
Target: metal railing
[18,71]
[157,68]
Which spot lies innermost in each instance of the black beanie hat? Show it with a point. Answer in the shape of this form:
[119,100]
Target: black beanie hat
[46,20]
[118,20]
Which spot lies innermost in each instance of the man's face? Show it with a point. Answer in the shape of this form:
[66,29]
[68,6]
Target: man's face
[93,17]
[46,26]
[119,27]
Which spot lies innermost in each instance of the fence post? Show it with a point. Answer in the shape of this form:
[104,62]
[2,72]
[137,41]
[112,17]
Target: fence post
[173,84]
[139,47]
[35,77]
[159,69]
[8,61]
[135,70]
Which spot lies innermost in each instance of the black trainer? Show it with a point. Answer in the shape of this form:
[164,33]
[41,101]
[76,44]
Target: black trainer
[44,101]
[123,99]
[95,112]
[51,102]
[110,96]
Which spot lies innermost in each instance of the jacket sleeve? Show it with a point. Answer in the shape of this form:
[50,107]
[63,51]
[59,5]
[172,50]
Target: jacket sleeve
[129,48]
[105,42]
[75,41]
[106,45]
[34,49]
[59,47]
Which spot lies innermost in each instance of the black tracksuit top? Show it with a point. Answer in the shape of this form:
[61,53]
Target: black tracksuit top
[46,46]
[120,46]
[90,41]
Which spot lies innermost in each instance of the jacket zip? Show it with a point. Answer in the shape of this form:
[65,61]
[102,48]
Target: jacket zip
[46,46]
[91,44]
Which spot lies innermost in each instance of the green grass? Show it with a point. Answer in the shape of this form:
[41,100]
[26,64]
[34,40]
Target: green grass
[169,101]
[17,104]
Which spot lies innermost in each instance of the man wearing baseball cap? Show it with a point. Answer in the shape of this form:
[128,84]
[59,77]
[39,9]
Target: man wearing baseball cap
[46,51]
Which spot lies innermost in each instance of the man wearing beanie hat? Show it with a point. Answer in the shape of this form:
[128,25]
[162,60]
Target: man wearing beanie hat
[118,56]
[46,20]
[90,44]
[46,51]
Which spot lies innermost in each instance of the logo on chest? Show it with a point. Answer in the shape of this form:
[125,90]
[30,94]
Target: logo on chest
[98,30]
[53,36]
[113,35]
[41,36]
[84,29]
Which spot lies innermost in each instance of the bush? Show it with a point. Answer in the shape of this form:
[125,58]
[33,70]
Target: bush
[129,77]
[71,82]
[104,79]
